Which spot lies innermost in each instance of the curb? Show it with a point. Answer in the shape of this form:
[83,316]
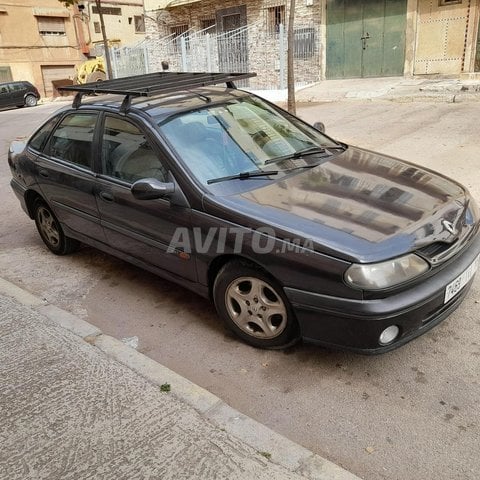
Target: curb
[284,452]
[447,97]
[399,94]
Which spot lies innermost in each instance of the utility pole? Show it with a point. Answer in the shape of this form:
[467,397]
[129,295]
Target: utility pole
[291,107]
[105,40]
[98,4]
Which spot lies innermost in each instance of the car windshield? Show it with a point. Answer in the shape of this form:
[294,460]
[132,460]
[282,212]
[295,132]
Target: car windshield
[243,135]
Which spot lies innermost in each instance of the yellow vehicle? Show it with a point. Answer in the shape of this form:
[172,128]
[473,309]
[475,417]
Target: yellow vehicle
[92,70]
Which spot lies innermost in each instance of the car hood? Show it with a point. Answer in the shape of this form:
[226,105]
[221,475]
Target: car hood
[357,205]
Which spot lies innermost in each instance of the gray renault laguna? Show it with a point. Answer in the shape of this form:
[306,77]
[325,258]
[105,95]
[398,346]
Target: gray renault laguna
[292,234]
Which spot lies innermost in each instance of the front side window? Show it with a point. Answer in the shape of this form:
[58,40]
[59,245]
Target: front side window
[73,138]
[126,153]
[242,135]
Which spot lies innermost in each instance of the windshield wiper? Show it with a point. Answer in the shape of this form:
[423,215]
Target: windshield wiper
[299,154]
[342,146]
[243,176]
[301,167]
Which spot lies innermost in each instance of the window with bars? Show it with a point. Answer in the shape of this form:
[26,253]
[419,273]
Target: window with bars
[139,21]
[177,32]
[275,17]
[108,10]
[51,25]
[207,24]
[304,42]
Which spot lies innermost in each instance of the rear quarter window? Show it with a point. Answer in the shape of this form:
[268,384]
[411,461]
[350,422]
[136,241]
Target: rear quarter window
[40,137]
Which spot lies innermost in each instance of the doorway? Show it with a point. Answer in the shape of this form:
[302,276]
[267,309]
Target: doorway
[365,38]
[232,39]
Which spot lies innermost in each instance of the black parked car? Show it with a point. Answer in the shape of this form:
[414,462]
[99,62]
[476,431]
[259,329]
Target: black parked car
[18,94]
[291,233]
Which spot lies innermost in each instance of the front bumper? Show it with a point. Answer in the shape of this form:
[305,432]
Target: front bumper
[356,324]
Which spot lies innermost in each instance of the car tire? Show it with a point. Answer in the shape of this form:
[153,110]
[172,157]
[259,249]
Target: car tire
[51,232]
[254,306]
[30,100]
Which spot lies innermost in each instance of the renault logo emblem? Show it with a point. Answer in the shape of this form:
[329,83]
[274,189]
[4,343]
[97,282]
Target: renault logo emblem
[448,226]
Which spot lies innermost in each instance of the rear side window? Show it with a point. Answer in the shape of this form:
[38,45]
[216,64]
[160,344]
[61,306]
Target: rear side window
[39,139]
[17,86]
[73,138]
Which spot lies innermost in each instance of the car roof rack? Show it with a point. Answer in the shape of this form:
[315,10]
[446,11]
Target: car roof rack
[153,83]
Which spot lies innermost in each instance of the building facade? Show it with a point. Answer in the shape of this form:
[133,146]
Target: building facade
[38,42]
[124,22]
[343,38]
[42,41]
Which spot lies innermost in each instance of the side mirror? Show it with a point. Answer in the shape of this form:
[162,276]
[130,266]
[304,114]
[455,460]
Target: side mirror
[151,189]
[320,126]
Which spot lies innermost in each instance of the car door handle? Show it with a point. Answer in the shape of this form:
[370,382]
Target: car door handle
[107,196]
[43,173]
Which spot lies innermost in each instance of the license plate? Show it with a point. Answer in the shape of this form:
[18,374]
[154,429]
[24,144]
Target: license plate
[454,287]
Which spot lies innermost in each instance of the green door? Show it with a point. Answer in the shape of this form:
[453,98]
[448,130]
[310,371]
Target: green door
[477,55]
[365,38]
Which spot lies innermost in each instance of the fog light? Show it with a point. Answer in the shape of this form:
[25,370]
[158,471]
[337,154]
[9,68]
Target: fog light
[389,335]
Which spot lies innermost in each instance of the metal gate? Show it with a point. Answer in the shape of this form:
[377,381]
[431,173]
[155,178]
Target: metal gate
[232,39]
[128,61]
[365,38]
[248,48]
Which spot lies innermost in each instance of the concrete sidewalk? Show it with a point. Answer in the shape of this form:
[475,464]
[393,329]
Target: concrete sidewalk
[77,404]
[399,89]
[396,89]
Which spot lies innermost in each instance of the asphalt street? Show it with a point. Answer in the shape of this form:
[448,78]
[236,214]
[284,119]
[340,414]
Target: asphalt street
[405,415]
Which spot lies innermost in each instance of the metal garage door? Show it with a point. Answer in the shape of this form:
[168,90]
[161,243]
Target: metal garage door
[57,72]
[365,38]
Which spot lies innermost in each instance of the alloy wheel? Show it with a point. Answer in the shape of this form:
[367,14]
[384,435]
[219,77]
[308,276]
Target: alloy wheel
[256,308]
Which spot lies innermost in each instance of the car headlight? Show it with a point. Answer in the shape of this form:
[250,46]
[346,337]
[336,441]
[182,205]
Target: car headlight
[473,212]
[376,276]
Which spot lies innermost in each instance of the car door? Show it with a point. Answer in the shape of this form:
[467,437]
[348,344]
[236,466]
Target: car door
[64,172]
[17,91]
[4,95]
[142,229]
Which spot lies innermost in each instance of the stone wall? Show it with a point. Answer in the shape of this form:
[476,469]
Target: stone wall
[257,49]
